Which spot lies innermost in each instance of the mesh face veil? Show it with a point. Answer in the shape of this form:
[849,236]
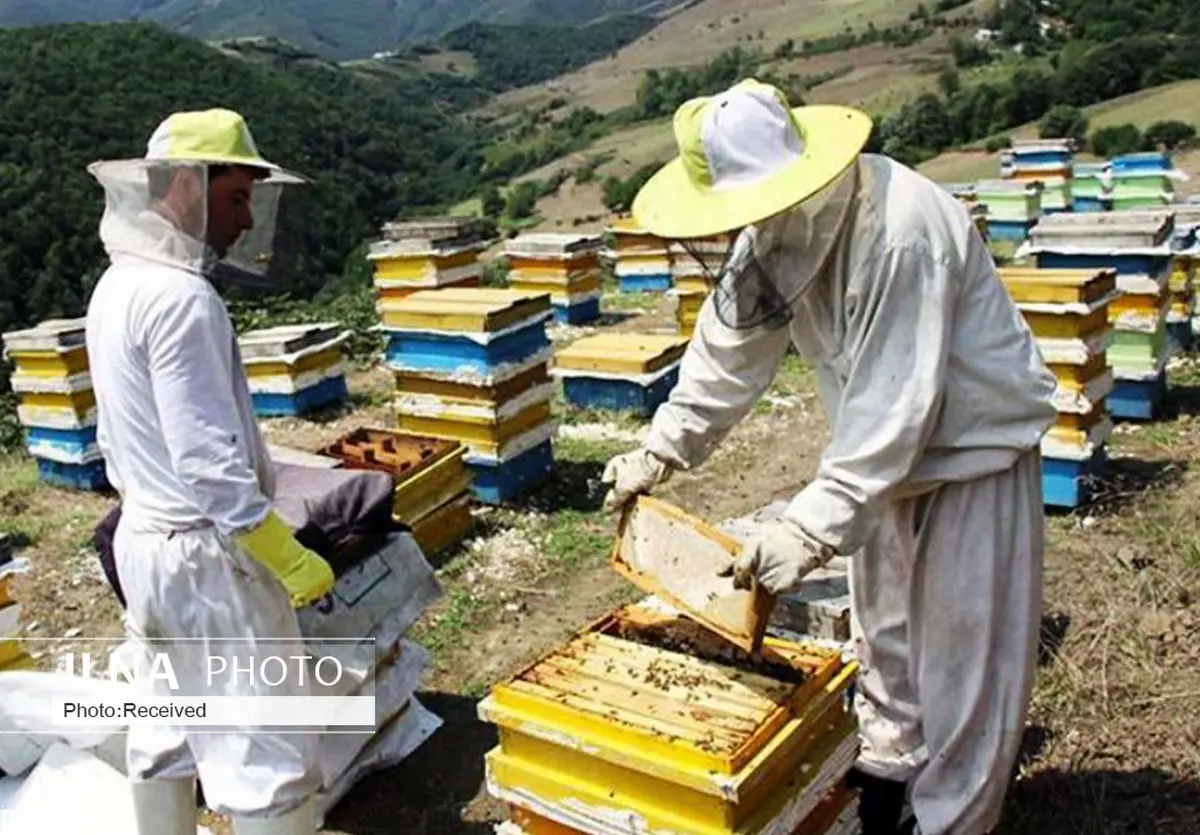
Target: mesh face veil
[773,262]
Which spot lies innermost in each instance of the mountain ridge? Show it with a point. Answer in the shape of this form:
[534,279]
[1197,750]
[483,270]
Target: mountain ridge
[339,31]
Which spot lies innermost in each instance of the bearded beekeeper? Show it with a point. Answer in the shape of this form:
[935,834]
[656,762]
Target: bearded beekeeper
[937,398]
[207,566]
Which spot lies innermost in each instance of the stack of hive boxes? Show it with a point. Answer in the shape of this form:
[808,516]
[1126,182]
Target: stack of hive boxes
[694,265]
[642,263]
[427,254]
[1137,245]
[1180,319]
[1045,161]
[472,365]
[1143,181]
[1014,206]
[1068,312]
[620,371]
[565,266]
[1091,189]
[56,403]
[293,370]
[433,485]
[12,654]
[645,722]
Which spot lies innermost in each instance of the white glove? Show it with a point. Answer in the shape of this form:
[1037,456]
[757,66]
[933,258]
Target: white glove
[631,474]
[779,557]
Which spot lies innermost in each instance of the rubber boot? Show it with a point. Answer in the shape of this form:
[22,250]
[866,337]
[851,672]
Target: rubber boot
[302,821]
[165,807]
[880,802]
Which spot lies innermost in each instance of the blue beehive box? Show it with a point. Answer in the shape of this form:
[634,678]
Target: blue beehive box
[621,371]
[645,282]
[579,313]
[327,392]
[1138,399]
[501,481]
[1069,484]
[87,476]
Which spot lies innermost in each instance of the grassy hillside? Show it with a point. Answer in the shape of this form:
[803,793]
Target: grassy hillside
[1179,101]
[706,29]
[339,30]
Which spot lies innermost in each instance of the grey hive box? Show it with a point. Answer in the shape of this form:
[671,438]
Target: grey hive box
[821,607]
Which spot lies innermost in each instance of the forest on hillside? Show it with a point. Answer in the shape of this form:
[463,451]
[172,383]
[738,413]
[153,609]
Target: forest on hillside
[75,94]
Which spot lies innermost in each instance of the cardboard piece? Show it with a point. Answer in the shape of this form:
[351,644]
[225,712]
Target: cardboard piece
[672,555]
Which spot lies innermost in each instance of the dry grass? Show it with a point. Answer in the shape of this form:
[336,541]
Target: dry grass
[700,33]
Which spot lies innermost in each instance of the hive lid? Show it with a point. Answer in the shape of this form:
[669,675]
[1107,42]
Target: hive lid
[1108,229]
[473,310]
[435,232]
[622,352]
[675,556]
[47,336]
[551,244]
[286,339]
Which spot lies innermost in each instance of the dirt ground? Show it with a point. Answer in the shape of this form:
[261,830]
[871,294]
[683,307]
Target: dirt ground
[1113,744]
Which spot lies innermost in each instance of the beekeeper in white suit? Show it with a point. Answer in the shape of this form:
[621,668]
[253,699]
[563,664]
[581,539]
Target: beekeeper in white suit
[937,398]
[207,567]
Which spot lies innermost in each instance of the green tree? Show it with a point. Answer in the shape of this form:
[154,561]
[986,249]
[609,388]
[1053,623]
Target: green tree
[1116,139]
[492,202]
[949,82]
[1169,135]
[522,200]
[1065,121]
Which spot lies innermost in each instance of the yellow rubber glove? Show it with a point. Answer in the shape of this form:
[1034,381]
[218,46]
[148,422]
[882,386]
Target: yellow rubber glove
[305,576]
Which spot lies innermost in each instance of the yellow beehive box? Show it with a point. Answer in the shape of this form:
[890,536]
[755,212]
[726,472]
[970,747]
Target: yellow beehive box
[1065,325]
[618,353]
[1075,429]
[584,283]
[428,266]
[1029,285]
[1183,272]
[422,496]
[1142,305]
[482,436]
[445,527]
[693,284]
[318,361]
[22,662]
[65,362]
[630,237]
[837,814]
[619,720]
[464,310]
[79,403]
[464,393]
[11,650]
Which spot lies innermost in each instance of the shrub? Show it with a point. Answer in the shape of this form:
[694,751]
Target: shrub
[1169,135]
[1115,140]
[998,143]
[1063,120]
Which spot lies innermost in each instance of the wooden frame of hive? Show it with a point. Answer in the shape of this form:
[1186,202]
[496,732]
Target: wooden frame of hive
[686,744]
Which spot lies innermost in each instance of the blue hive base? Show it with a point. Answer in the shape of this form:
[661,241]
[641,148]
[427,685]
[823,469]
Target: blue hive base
[328,391]
[1009,230]
[1181,336]
[436,353]
[510,481]
[619,395]
[577,314]
[1069,484]
[1124,264]
[1138,399]
[70,441]
[73,476]
[1084,205]
[1058,210]
[659,283]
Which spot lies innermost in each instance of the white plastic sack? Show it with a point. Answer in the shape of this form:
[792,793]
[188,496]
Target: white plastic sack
[394,686]
[71,792]
[383,595]
[26,732]
[390,746]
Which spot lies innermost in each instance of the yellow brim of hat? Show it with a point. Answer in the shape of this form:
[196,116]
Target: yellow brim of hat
[671,205]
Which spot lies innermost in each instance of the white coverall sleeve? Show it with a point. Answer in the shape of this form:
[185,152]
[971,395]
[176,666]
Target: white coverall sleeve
[190,351]
[724,371]
[895,347]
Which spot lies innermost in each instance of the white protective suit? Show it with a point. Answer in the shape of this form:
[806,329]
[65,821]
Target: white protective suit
[179,437]
[937,398]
